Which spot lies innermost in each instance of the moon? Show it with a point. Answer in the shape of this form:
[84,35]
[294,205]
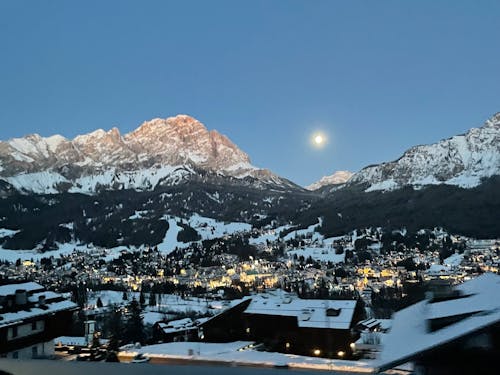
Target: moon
[318,139]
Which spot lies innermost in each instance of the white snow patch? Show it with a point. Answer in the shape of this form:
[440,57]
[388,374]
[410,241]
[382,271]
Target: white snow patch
[170,241]
[7,232]
[384,185]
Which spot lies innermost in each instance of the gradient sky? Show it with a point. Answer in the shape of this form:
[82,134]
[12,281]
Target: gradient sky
[376,76]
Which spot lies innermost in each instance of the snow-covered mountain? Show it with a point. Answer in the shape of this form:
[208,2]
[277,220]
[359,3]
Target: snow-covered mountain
[338,178]
[159,152]
[462,160]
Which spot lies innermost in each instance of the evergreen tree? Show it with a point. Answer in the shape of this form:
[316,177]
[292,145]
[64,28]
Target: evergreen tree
[99,303]
[115,326]
[152,299]
[135,326]
[125,296]
[142,299]
[81,294]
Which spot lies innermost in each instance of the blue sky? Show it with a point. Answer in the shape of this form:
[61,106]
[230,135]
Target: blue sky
[376,76]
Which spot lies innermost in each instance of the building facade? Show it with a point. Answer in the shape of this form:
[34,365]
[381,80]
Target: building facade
[30,319]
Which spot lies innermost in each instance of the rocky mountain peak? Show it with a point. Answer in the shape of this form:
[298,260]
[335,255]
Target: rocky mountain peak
[143,158]
[463,160]
[337,178]
[494,121]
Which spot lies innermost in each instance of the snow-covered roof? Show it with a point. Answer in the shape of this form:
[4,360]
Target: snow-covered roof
[177,325]
[371,323]
[410,335]
[13,318]
[310,313]
[71,341]
[47,294]
[10,289]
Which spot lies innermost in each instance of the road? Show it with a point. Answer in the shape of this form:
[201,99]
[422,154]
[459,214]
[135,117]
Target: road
[40,367]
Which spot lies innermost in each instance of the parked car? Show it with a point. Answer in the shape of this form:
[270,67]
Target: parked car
[140,358]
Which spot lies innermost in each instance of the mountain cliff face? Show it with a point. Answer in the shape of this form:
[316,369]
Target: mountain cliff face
[159,152]
[338,178]
[462,161]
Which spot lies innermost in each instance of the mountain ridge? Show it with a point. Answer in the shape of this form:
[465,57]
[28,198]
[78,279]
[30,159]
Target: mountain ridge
[462,160]
[153,153]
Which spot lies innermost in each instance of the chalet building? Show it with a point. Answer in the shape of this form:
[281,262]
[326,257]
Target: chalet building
[30,318]
[288,324]
[226,326]
[453,331]
[309,327]
[178,330]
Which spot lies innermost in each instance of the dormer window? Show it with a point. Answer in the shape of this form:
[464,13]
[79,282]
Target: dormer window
[333,312]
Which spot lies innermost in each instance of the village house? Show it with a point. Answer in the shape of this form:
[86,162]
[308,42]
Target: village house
[313,327]
[30,318]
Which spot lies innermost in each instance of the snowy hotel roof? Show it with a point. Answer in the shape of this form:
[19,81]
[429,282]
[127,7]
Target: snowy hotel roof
[14,317]
[6,290]
[477,308]
[310,313]
[53,302]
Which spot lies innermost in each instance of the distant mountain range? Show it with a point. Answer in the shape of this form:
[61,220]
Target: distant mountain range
[110,189]
[175,150]
[159,152]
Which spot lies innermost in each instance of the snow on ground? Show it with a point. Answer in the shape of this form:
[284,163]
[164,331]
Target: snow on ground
[303,232]
[209,228]
[63,249]
[165,303]
[454,260]
[206,227]
[151,317]
[7,232]
[39,182]
[138,215]
[271,235]
[144,179]
[321,254]
[13,255]
[383,185]
[202,349]
[242,352]
[170,241]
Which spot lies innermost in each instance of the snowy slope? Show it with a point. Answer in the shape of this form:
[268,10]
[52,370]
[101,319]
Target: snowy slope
[462,160]
[207,228]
